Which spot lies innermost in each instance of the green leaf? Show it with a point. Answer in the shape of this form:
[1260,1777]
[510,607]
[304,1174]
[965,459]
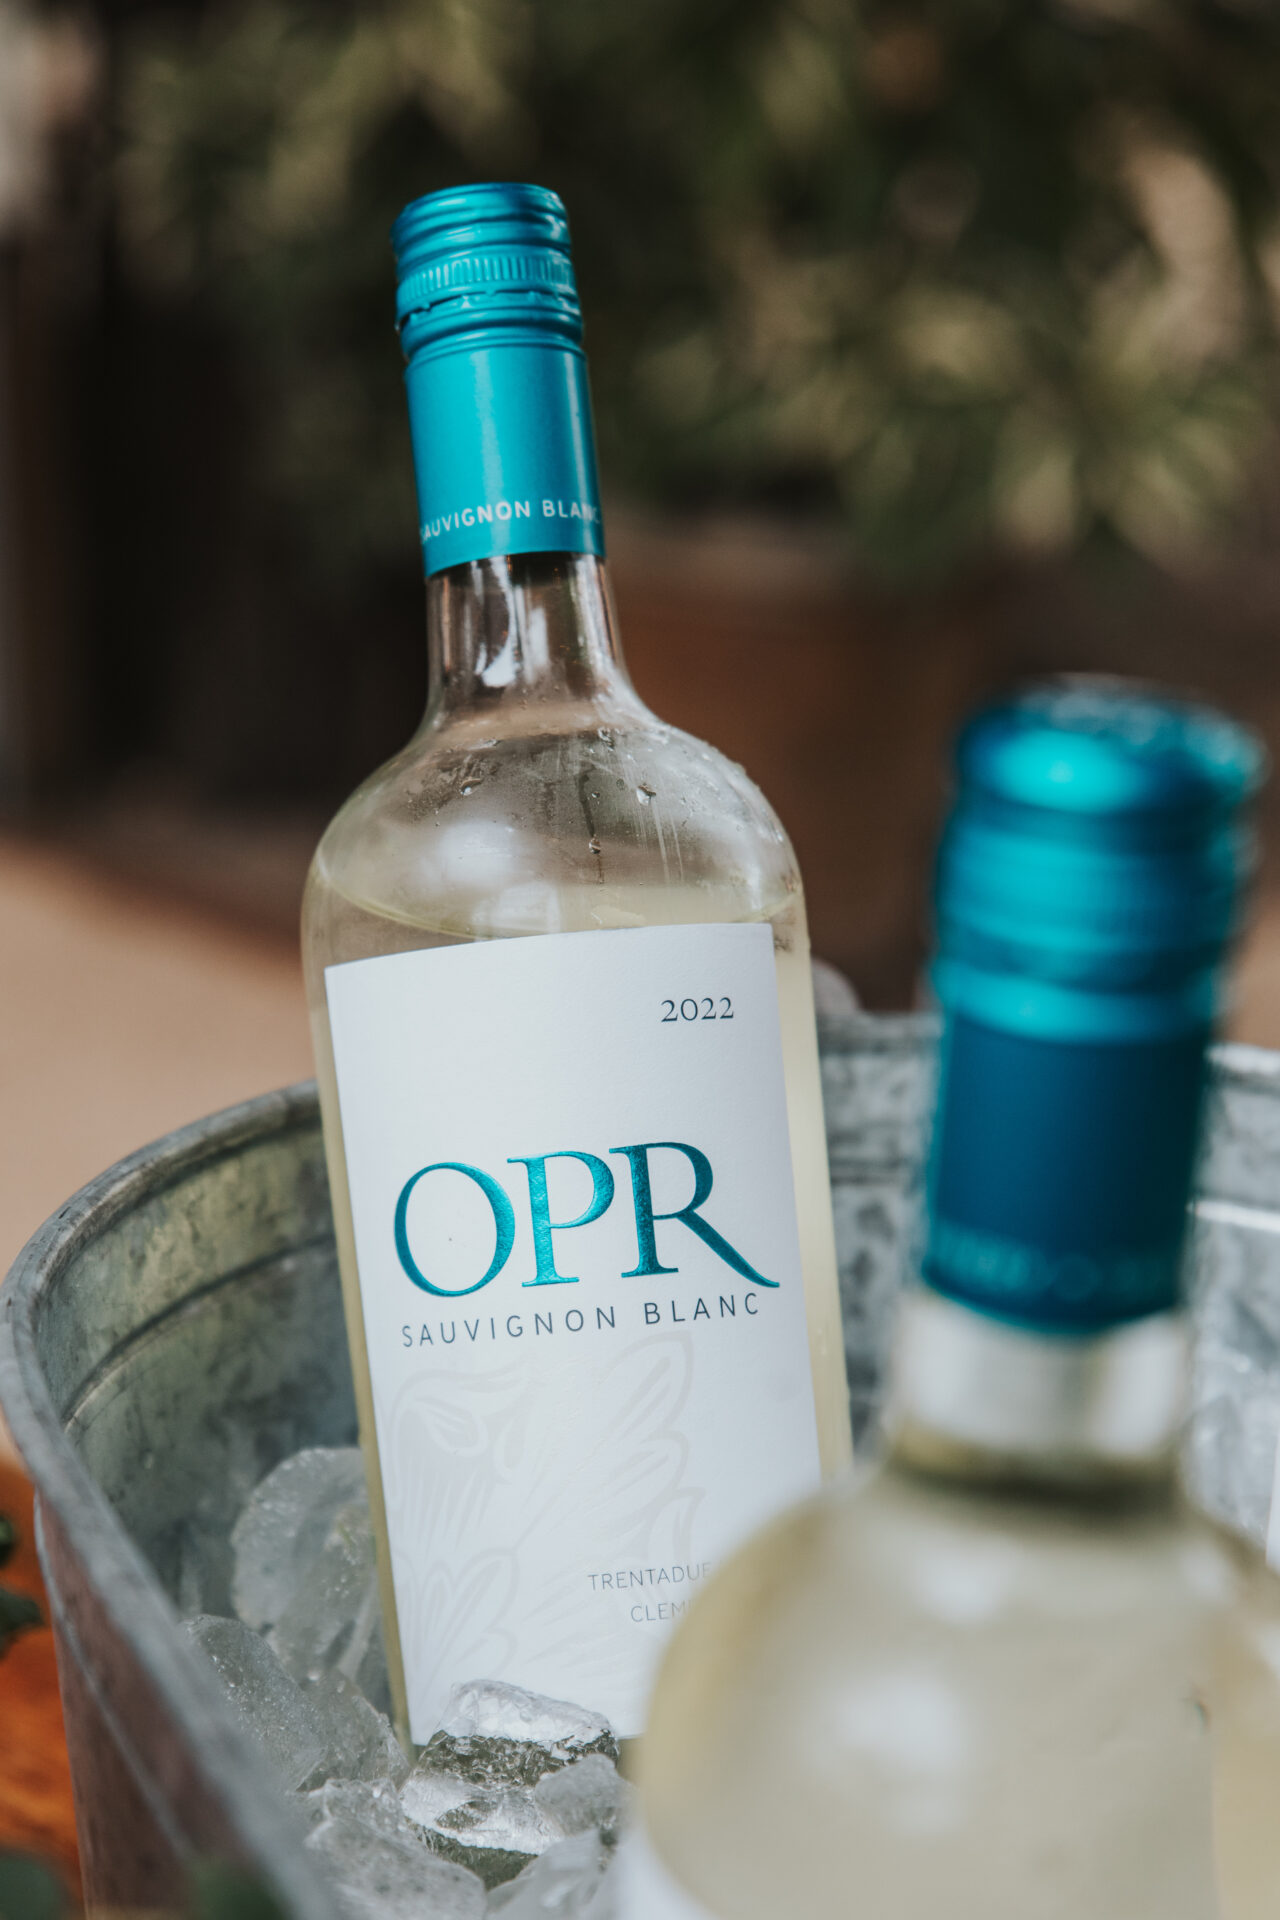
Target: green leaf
[29,1890]
[18,1611]
[219,1892]
[942,273]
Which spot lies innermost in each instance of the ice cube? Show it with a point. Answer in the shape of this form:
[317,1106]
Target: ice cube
[568,1881]
[588,1796]
[381,1869]
[493,1733]
[333,1620]
[834,994]
[493,1829]
[360,1744]
[284,1525]
[271,1708]
[471,1790]
[202,1567]
[373,1802]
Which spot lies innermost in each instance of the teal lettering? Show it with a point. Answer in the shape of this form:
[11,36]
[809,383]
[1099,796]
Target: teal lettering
[504,1227]
[535,1165]
[647,1262]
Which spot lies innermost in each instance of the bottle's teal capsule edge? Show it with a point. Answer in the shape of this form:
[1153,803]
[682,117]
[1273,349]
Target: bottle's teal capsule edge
[1101,825]
[1103,750]
[492,253]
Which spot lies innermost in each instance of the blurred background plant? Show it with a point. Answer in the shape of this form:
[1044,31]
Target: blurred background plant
[932,341]
[18,1611]
[30,1889]
[961,274]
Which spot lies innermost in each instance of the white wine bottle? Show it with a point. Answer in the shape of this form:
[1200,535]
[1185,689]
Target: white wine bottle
[558,973]
[1010,1676]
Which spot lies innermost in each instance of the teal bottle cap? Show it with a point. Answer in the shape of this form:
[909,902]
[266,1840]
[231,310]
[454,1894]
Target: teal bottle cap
[485,256]
[1107,755]
[503,448]
[1089,881]
[1098,838]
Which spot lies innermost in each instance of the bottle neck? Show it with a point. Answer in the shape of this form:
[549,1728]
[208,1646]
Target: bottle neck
[525,642]
[979,1400]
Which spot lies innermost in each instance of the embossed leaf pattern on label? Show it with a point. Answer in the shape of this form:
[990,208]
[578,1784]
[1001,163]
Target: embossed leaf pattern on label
[519,1465]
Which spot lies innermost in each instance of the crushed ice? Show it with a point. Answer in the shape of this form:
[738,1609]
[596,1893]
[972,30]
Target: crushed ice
[514,1806]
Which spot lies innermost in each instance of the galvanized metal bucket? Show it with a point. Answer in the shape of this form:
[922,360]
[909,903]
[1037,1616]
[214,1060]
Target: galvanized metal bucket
[176,1329]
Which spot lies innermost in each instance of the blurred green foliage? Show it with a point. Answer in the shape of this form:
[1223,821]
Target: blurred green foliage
[17,1610]
[967,275]
[29,1890]
[226,1893]
[32,1890]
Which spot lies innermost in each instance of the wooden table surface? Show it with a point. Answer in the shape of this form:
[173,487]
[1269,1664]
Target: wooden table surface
[36,1814]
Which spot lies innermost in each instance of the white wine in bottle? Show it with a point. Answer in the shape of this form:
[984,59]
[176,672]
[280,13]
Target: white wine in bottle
[1011,1676]
[558,974]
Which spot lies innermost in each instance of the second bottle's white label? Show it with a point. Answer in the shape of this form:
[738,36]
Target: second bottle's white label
[575,1228]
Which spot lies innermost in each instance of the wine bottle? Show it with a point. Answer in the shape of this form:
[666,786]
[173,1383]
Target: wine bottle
[558,973]
[1010,1675]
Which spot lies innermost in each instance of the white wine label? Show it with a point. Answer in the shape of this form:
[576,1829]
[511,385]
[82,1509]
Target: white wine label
[575,1229]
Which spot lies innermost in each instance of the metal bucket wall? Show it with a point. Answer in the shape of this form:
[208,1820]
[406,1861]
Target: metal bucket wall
[176,1329]
[168,1335]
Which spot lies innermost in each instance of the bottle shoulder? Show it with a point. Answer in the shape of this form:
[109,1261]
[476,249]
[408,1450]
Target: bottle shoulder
[898,1558]
[458,818]
[933,1668]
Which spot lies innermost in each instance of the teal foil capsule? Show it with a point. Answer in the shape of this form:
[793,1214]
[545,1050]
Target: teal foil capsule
[1089,884]
[499,411]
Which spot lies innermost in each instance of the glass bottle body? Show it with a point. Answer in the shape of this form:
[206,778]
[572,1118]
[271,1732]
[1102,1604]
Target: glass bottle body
[917,1696]
[541,797]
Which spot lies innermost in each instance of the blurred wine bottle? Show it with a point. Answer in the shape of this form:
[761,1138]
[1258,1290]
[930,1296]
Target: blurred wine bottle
[1010,1675]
